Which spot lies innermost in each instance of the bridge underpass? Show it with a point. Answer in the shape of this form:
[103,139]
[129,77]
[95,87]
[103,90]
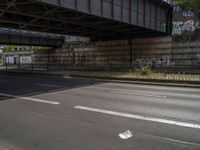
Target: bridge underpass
[97,19]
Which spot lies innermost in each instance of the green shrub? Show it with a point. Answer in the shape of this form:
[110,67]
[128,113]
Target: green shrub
[144,70]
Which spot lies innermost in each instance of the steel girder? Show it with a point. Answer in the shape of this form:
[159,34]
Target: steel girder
[97,19]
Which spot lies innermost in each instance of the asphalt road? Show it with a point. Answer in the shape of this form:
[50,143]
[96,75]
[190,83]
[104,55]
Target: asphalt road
[44,113]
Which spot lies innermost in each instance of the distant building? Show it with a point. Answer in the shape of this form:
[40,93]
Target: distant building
[14,58]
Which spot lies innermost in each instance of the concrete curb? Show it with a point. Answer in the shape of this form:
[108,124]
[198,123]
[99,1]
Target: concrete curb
[144,81]
[31,73]
[174,83]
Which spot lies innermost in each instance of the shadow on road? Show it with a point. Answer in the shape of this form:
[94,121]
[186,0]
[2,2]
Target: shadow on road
[30,85]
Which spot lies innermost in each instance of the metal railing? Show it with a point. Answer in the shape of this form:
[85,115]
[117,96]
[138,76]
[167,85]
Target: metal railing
[11,31]
[29,33]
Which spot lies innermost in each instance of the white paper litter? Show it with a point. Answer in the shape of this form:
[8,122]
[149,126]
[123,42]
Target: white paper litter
[126,135]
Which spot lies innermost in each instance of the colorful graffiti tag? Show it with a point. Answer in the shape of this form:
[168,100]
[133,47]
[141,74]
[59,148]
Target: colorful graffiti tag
[180,27]
[184,21]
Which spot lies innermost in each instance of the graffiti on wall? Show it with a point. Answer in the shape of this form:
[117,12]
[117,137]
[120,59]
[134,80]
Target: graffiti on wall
[186,13]
[184,21]
[180,27]
[164,61]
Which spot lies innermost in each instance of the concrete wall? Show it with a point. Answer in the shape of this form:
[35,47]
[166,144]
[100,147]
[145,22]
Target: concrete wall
[165,53]
[162,52]
[90,54]
[185,23]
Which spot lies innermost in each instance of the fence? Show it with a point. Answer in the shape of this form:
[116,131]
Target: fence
[60,67]
[158,53]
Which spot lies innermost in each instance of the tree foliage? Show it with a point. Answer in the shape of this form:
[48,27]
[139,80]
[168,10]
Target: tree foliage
[193,5]
[12,48]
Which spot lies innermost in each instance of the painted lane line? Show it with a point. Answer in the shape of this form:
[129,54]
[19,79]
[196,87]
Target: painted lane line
[133,116]
[30,99]
[171,140]
[48,85]
[138,94]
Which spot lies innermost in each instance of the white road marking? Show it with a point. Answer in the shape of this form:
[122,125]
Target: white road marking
[133,116]
[30,99]
[172,140]
[48,85]
[138,94]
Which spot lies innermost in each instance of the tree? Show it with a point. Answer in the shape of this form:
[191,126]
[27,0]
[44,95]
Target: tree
[193,5]
[12,48]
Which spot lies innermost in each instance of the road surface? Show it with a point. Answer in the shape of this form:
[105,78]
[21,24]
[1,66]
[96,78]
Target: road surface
[46,113]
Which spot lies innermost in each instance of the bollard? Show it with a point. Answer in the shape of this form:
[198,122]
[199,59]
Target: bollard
[32,66]
[47,67]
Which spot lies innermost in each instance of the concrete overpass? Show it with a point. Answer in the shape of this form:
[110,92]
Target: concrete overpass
[97,19]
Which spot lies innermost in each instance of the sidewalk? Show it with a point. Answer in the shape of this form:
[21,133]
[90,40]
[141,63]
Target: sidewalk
[118,79]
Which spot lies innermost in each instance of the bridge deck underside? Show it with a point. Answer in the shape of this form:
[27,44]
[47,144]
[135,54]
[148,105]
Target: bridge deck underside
[40,16]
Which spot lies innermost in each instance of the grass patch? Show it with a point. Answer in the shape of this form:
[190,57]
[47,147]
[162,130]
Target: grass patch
[1,61]
[143,70]
[141,74]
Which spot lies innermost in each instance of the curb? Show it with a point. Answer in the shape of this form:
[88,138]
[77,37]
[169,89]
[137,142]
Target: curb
[160,82]
[31,73]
